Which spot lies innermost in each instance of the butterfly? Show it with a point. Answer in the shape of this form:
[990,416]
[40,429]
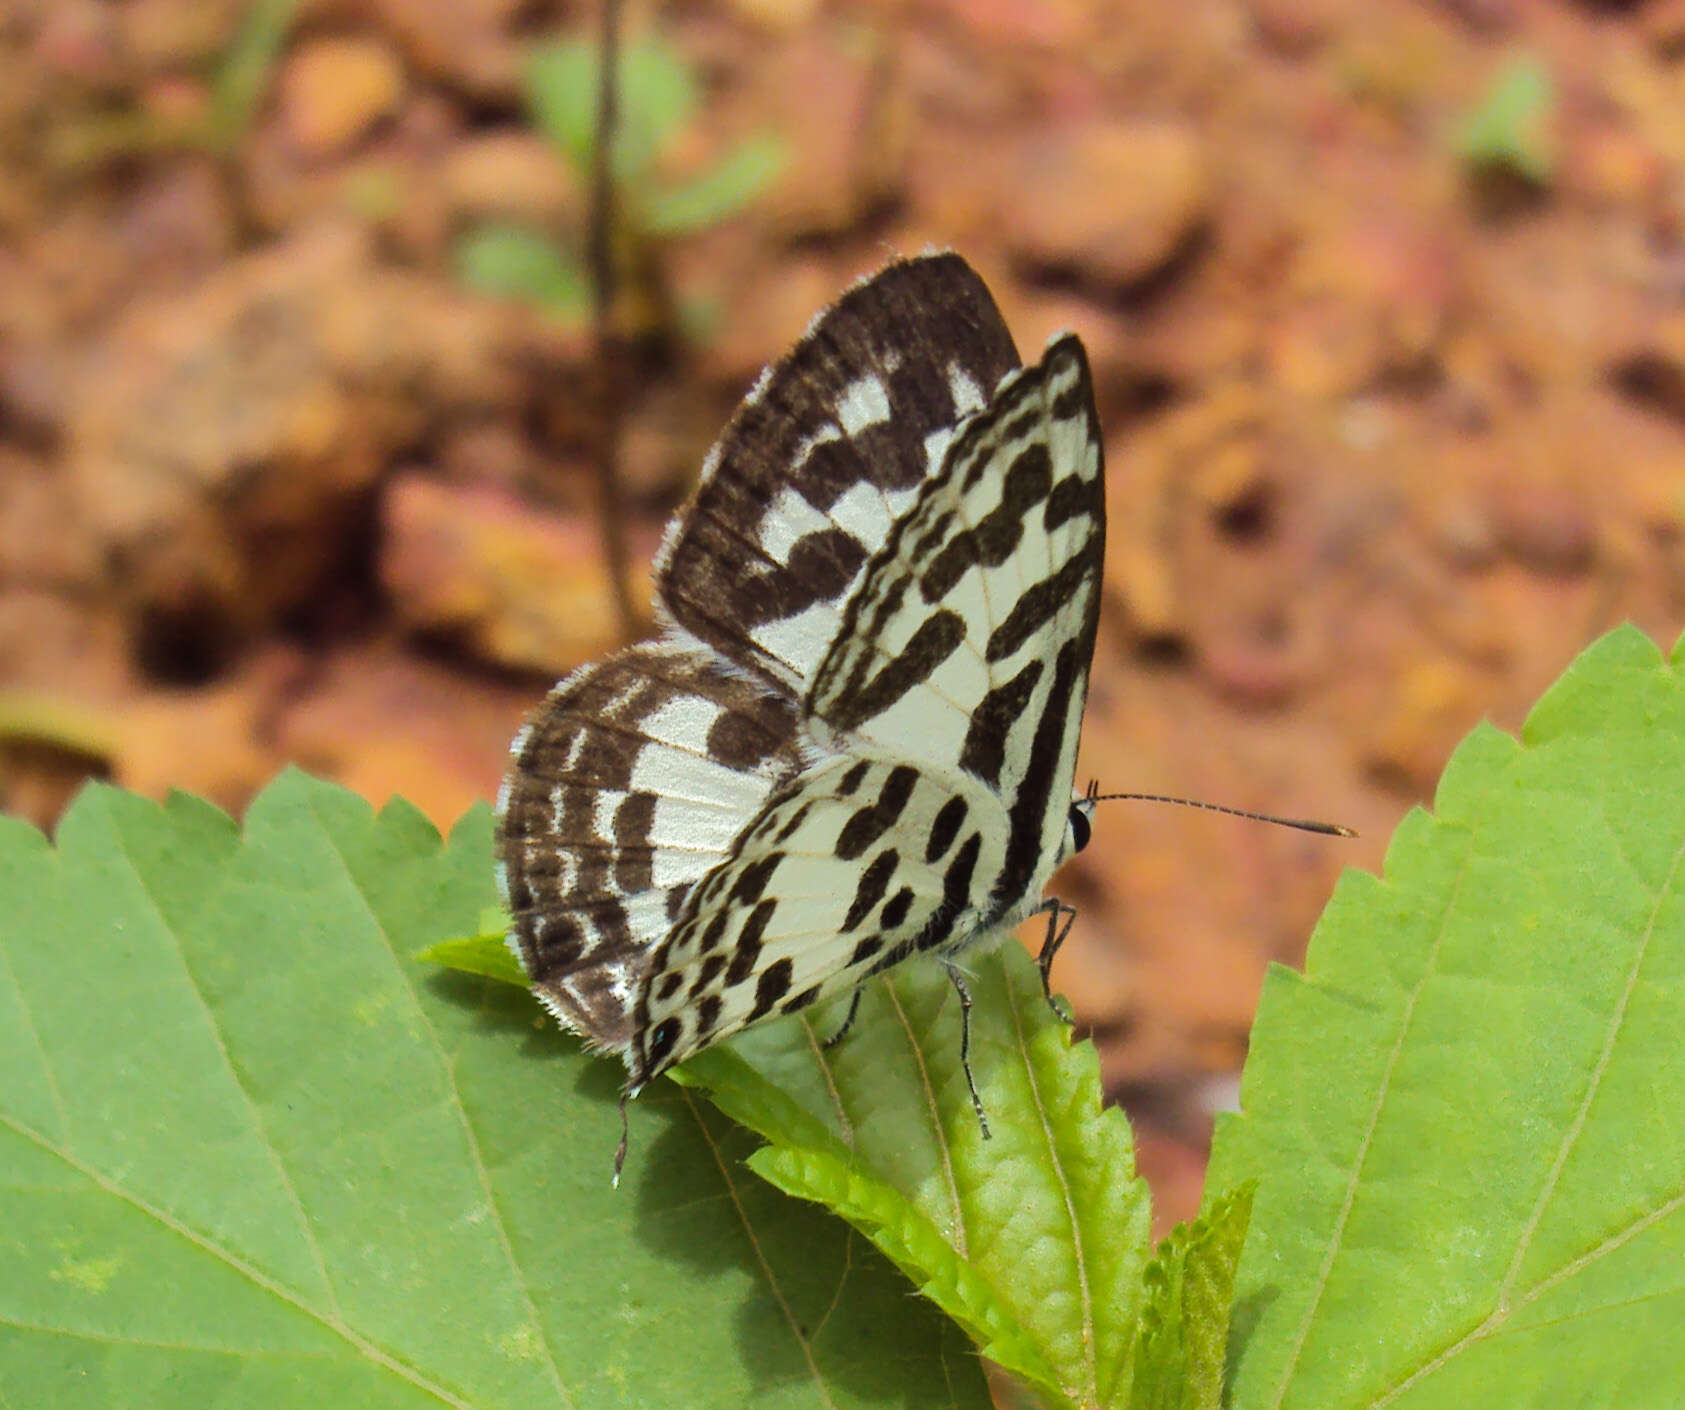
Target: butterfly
[853,740]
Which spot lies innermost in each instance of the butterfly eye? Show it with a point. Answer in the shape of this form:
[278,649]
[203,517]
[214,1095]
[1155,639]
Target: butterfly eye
[662,1041]
[1081,828]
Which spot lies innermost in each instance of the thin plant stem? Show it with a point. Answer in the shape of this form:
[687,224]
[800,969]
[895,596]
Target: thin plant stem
[609,350]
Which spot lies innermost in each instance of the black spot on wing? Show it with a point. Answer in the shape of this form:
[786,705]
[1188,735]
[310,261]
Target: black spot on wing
[796,820]
[896,908]
[874,881]
[799,1001]
[1027,818]
[1072,498]
[1039,603]
[772,985]
[747,953]
[706,973]
[994,538]
[715,931]
[944,829]
[865,950]
[955,902]
[752,880]
[936,639]
[991,722]
[871,822]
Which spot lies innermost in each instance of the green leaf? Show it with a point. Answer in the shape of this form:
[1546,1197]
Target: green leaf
[718,193]
[1035,1240]
[1185,1326]
[1510,130]
[244,76]
[513,262]
[657,98]
[1467,1118]
[483,955]
[252,1153]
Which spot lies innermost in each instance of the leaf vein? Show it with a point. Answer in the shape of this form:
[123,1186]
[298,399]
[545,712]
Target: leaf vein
[459,1108]
[251,1272]
[941,1131]
[760,1257]
[1382,1090]
[1091,1354]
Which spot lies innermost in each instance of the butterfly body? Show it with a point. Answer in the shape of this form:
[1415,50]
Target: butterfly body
[854,741]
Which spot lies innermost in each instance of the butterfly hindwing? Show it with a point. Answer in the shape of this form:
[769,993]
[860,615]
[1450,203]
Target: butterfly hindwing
[846,872]
[824,454]
[629,784]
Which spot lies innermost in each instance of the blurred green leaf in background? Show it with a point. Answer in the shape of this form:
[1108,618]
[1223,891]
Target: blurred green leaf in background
[1510,130]
[658,102]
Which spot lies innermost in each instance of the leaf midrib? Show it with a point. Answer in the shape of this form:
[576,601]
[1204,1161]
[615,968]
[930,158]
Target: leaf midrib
[1078,1251]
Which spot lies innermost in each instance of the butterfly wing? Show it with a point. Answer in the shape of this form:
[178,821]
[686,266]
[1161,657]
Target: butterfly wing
[826,452]
[840,877]
[629,784]
[955,686]
[967,648]
[638,774]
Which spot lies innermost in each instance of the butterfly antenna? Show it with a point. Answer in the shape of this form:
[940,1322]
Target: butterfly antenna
[1302,824]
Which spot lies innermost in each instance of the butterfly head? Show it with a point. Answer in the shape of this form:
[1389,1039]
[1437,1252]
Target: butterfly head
[1079,822]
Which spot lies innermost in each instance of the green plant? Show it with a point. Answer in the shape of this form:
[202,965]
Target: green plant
[658,102]
[252,1149]
[237,89]
[1510,129]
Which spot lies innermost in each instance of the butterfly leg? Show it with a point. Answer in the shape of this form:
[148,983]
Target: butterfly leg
[626,1095]
[847,1023]
[958,981]
[1056,910]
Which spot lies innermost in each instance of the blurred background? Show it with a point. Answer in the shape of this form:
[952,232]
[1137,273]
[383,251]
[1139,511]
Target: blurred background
[301,423]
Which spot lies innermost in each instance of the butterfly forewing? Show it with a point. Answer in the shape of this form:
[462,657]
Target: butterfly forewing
[952,698]
[969,644]
[822,458]
[949,646]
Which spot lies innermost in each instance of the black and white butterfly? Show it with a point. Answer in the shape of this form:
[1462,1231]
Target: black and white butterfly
[853,740]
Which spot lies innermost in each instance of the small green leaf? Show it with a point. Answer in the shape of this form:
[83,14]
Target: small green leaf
[1510,130]
[1185,1327]
[719,193]
[252,1153]
[562,96]
[483,955]
[1467,1117]
[657,98]
[244,76]
[1034,1240]
[512,262]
